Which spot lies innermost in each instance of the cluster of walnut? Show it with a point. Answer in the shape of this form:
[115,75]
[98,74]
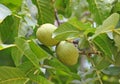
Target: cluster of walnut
[66,52]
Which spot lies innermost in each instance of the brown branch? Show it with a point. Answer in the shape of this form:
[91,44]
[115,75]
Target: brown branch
[56,17]
[88,53]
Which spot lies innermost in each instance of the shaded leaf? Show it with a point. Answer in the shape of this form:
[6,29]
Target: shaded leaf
[47,49]
[116,38]
[5,57]
[100,62]
[68,9]
[116,34]
[9,29]
[117,59]
[116,8]
[83,43]
[63,7]
[105,45]
[45,11]
[112,70]
[99,9]
[103,64]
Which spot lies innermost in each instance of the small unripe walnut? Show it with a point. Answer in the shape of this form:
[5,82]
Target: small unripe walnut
[67,53]
[44,34]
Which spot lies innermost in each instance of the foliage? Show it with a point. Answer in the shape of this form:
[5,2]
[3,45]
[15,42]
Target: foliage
[93,26]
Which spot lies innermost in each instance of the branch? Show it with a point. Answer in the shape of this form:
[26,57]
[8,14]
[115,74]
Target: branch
[88,53]
[56,17]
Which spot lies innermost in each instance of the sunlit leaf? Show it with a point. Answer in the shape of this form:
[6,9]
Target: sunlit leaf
[55,63]
[14,5]
[24,47]
[4,46]
[78,24]
[10,75]
[65,31]
[26,67]
[16,56]
[40,53]
[40,79]
[4,12]
[71,29]
[108,25]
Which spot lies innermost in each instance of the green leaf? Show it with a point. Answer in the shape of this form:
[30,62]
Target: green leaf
[4,12]
[4,46]
[5,57]
[24,47]
[103,64]
[112,20]
[10,75]
[83,43]
[116,37]
[56,64]
[60,69]
[112,70]
[100,62]
[65,31]
[68,9]
[63,7]
[40,53]
[59,4]
[9,29]
[16,56]
[45,11]
[39,79]
[105,45]
[26,67]
[99,9]
[117,59]
[116,7]
[14,5]
[79,25]
[47,49]
[71,29]
[116,34]
[108,25]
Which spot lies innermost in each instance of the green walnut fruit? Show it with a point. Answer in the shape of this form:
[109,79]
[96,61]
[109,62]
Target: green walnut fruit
[44,34]
[67,53]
